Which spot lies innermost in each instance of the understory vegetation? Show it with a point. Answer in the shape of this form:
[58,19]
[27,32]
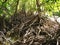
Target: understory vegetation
[30,22]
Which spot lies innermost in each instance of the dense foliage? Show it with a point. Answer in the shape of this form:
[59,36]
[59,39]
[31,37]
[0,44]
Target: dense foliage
[9,7]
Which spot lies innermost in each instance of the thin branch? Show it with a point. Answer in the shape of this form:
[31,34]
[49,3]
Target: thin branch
[16,6]
[38,5]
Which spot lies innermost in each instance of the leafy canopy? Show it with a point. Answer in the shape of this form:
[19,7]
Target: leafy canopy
[9,7]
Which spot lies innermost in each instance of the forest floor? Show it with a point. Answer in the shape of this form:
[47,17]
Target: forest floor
[29,30]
